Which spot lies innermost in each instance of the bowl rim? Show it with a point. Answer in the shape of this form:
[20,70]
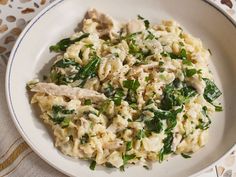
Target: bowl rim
[9,98]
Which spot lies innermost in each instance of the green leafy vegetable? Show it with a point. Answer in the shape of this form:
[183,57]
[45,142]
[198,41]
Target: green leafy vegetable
[140,134]
[65,63]
[182,55]
[88,71]
[154,125]
[104,107]
[131,84]
[65,123]
[176,95]
[127,158]
[190,72]
[218,108]
[185,156]
[84,139]
[92,165]
[63,44]
[167,146]
[128,145]
[59,113]
[118,96]
[211,92]
[204,125]
[87,102]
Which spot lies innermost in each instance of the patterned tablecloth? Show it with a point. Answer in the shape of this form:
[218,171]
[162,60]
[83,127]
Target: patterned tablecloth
[16,158]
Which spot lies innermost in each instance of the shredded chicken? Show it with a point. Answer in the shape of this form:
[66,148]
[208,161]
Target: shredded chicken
[63,90]
[106,26]
[135,26]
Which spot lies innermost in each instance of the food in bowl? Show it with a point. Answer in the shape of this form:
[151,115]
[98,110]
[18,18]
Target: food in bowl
[128,93]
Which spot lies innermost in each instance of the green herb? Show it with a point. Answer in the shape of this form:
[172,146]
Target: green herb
[174,95]
[190,72]
[203,125]
[118,96]
[154,125]
[218,108]
[211,91]
[140,17]
[89,46]
[150,36]
[84,139]
[146,167]
[182,55]
[104,107]
[59,113]
[147,78]
[65,123]
[128,145]
[131,84]
[89,70]
[167,146]
[63,44]
[146,22]
[181,43]
[185,156]
[140,134]
[65,63]
[92,165]
[210,51]
[161,63]
[109,165]
[127,158]
[187,62]
[87,102]
[133,105]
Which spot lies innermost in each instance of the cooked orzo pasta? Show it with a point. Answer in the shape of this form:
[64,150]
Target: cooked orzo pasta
[122,93]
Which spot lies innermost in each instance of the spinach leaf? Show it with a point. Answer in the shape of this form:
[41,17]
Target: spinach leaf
[87,102]
[63,44]
[167,146]
[190,72]
[204,125]
[92,165]
[127,158]
[182,55]
[140,134]
[131,84]
[88,71]
[128,145]
[59,113]
[104,107]
[186,156]
[154,125]
[65,63]
[119,94]
[175,95]
[211,92]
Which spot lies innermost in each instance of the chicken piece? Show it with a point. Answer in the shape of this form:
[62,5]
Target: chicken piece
[63,90]
[101,23]
[113,145]
[135,26]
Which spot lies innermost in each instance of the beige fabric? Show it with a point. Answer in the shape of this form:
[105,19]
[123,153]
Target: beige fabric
[16,158]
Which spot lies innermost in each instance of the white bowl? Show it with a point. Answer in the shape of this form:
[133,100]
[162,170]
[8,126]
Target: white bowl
[30,58]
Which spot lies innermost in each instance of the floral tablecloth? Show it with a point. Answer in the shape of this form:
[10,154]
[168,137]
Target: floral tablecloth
[16,157]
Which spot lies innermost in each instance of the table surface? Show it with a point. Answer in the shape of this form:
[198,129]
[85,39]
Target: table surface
[16,158]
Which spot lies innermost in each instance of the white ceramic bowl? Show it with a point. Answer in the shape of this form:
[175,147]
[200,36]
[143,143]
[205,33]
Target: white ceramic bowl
[30,58]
